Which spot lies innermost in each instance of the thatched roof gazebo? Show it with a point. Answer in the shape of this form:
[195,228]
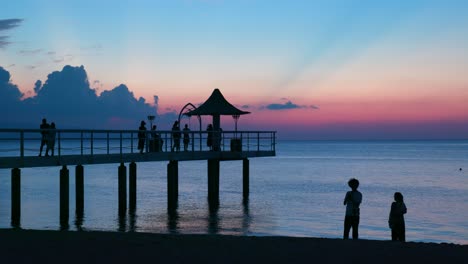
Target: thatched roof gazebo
[215,106]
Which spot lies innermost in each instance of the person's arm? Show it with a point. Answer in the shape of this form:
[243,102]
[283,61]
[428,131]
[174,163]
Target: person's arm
[403,208]
[346,198]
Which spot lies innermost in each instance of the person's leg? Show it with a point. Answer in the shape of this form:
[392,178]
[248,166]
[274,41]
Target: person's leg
[394,234]
[347,227]
[42,146]
[402,233]
[355,225]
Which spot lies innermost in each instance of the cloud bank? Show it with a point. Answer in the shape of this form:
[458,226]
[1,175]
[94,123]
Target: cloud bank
[67,99]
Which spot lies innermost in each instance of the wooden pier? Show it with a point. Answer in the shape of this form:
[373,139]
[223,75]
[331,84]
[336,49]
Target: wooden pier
[19,148]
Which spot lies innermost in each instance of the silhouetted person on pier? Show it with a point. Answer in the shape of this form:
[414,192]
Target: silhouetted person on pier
[142,136]
[176,136]
[51,139]
[186,132]
[352,201]
[156,141]
[209,137]
[396,220]
[44,131]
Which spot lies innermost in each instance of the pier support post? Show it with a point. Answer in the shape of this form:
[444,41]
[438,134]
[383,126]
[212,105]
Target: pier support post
[79,190]
[245,178]
[172,184]
[15,197]
[213,181]
[64,197]
[122,189]
[132,171]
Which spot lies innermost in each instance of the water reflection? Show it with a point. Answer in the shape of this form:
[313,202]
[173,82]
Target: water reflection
[122,221]
[132,219]
[173,220]
[79,219]
[213,218]
[246,219]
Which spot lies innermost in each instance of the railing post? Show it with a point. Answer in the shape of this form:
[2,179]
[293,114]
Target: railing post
[92,143]
[120,143]
[22,143]
[131,142]
[59,143]
[108,143]
[81,138]
[258,141]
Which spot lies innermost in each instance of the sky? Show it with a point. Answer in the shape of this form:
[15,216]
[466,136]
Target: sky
[319,69]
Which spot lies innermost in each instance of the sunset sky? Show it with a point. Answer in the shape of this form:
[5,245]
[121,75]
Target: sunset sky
[309,69]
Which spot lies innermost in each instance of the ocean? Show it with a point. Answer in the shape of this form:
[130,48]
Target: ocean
[299,193]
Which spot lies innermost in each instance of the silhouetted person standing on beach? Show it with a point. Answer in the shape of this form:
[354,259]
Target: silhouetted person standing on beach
[352,201]
[51,139]
[396,220]
[186,132]
[141,136]
[44,131]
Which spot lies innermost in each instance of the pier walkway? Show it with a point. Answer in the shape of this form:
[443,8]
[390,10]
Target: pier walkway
[19,148]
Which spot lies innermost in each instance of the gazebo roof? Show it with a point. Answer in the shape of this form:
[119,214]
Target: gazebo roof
[216,105]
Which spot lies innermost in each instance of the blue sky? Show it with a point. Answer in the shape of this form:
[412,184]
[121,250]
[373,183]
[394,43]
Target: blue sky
[323,53]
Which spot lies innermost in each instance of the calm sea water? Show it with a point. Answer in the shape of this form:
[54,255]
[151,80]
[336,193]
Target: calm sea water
[297,193]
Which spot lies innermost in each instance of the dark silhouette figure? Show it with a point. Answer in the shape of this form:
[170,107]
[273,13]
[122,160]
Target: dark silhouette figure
[209,137]
[176,136]
[156,141]
[141,136]
[186,132]
[51,139]
[396,220]
[352,201]
[44,131]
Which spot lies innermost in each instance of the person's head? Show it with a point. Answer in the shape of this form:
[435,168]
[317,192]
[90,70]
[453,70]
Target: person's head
[44,120]
[186,126]
[353,183]
[398,197]
[52,125]
[154,127]
[142,123]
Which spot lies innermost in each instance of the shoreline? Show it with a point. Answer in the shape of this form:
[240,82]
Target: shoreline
[27,246]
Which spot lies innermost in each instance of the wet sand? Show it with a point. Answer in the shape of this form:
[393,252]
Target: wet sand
[31,246]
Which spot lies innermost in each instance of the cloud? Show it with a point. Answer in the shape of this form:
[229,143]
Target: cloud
[29,52]
[6,24]
[245,106]
[9,23]
[287,106]
[67,99]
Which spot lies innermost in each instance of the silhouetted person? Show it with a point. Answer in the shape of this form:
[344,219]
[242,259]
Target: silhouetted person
[186,132]
[176,136]
[352,201]
[209,137]
[51,139]
[44,131]
[141,136]
[396,220]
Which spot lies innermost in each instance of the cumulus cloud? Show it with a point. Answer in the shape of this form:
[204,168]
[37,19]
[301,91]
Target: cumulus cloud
[67,98]
[6,24]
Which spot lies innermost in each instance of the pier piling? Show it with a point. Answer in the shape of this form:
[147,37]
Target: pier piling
[122,189]
[213,181]
[172,184]
[64,197]
[132,171]
[15,197]
[79,190]
[245,178]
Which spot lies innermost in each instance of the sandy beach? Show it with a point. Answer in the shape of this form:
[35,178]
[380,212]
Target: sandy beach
[28,246]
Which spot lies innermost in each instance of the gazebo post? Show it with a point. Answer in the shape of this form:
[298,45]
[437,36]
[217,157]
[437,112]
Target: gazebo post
[216,130]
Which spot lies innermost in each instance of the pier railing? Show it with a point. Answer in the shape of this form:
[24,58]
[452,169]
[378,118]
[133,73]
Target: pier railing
[26,142]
